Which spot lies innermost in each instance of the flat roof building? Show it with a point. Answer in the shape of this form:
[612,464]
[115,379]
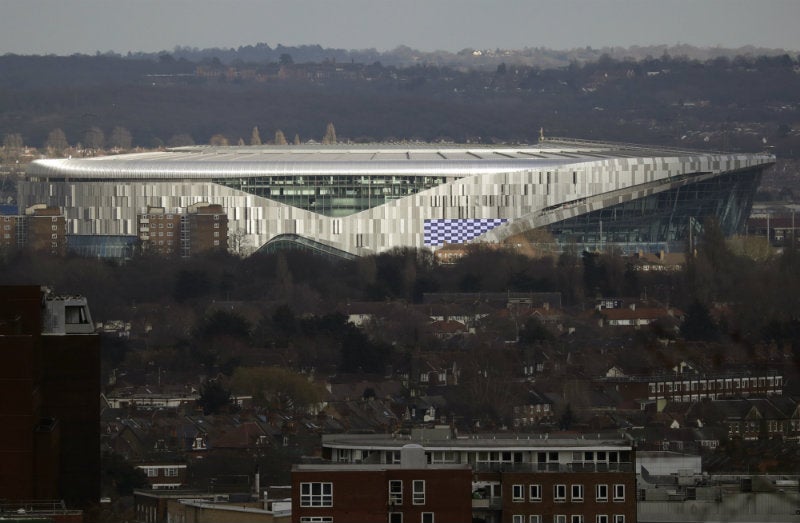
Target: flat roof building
[361,200]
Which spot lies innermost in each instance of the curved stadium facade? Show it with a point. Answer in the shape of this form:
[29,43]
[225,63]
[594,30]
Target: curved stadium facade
[360,200]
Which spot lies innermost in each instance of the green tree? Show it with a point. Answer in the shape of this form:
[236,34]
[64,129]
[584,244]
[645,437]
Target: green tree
[255,137]
[698,324]
[276,387]
[121,475]
[214,397]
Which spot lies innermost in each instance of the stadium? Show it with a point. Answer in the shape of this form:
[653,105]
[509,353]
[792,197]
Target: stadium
[354,200]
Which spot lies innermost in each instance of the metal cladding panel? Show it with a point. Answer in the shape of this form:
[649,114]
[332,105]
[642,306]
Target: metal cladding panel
[513,194]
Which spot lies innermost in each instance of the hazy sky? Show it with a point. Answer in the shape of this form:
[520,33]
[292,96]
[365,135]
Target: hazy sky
[86,26]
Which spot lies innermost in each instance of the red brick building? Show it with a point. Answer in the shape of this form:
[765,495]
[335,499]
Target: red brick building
[41,229]
[49,390]
[587,479]
[410,492]
[200,227]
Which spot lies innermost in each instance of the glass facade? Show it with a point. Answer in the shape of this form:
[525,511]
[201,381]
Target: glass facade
[334,195]
[665,217]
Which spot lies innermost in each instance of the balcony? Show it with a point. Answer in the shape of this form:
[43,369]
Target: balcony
[575,466]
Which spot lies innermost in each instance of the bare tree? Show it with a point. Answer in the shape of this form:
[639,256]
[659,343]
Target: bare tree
[280,139]
[297,139]
[330,135]
[218,139]
[56,141]
[255,137]
[94,138]
[120,138]
[180,140]
[12,142]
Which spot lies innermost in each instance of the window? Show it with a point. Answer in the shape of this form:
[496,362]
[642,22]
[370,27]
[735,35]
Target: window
[216,234]
[619,518]
[395,492]
[427,517]
[418,492]
[601,518]
[517,518]
[54,227]
[560,518]
[316,494]
[216,225]
[517,493]
[535,492]
[395,517]
[171,472]
[535,519]
[576,518]
[151,472]
[54,236]
[577,492]
[602,492]
[316,519]
[559,493]
[619,492]
[169,226]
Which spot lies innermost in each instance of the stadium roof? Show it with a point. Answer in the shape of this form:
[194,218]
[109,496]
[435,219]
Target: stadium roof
[416,159]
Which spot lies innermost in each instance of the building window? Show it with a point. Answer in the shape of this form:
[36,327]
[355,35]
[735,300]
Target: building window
[418,492]
[395,492]
[619,492]
[517,493]
[54,227]
[316,519]
[427,517]
[559,493]
[601,518]
[216,225]
[54,236]
[619,518]
[535,518]
[535,492]
[602,492]
[216,234]
[171,472]
[216,216]
[316,494]
[577,492]
[517,518]
[395,517]
[169,225]
[560,518]
[576,518]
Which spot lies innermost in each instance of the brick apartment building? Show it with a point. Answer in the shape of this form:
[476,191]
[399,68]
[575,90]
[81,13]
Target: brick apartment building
[49,390]
[197,228]
[411,491]
[41,229]
[518,480]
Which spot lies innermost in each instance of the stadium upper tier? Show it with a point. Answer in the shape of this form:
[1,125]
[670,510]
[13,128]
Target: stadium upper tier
[368,199]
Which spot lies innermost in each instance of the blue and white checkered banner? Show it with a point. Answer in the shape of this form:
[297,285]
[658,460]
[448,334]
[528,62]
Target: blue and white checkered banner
[439,232]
